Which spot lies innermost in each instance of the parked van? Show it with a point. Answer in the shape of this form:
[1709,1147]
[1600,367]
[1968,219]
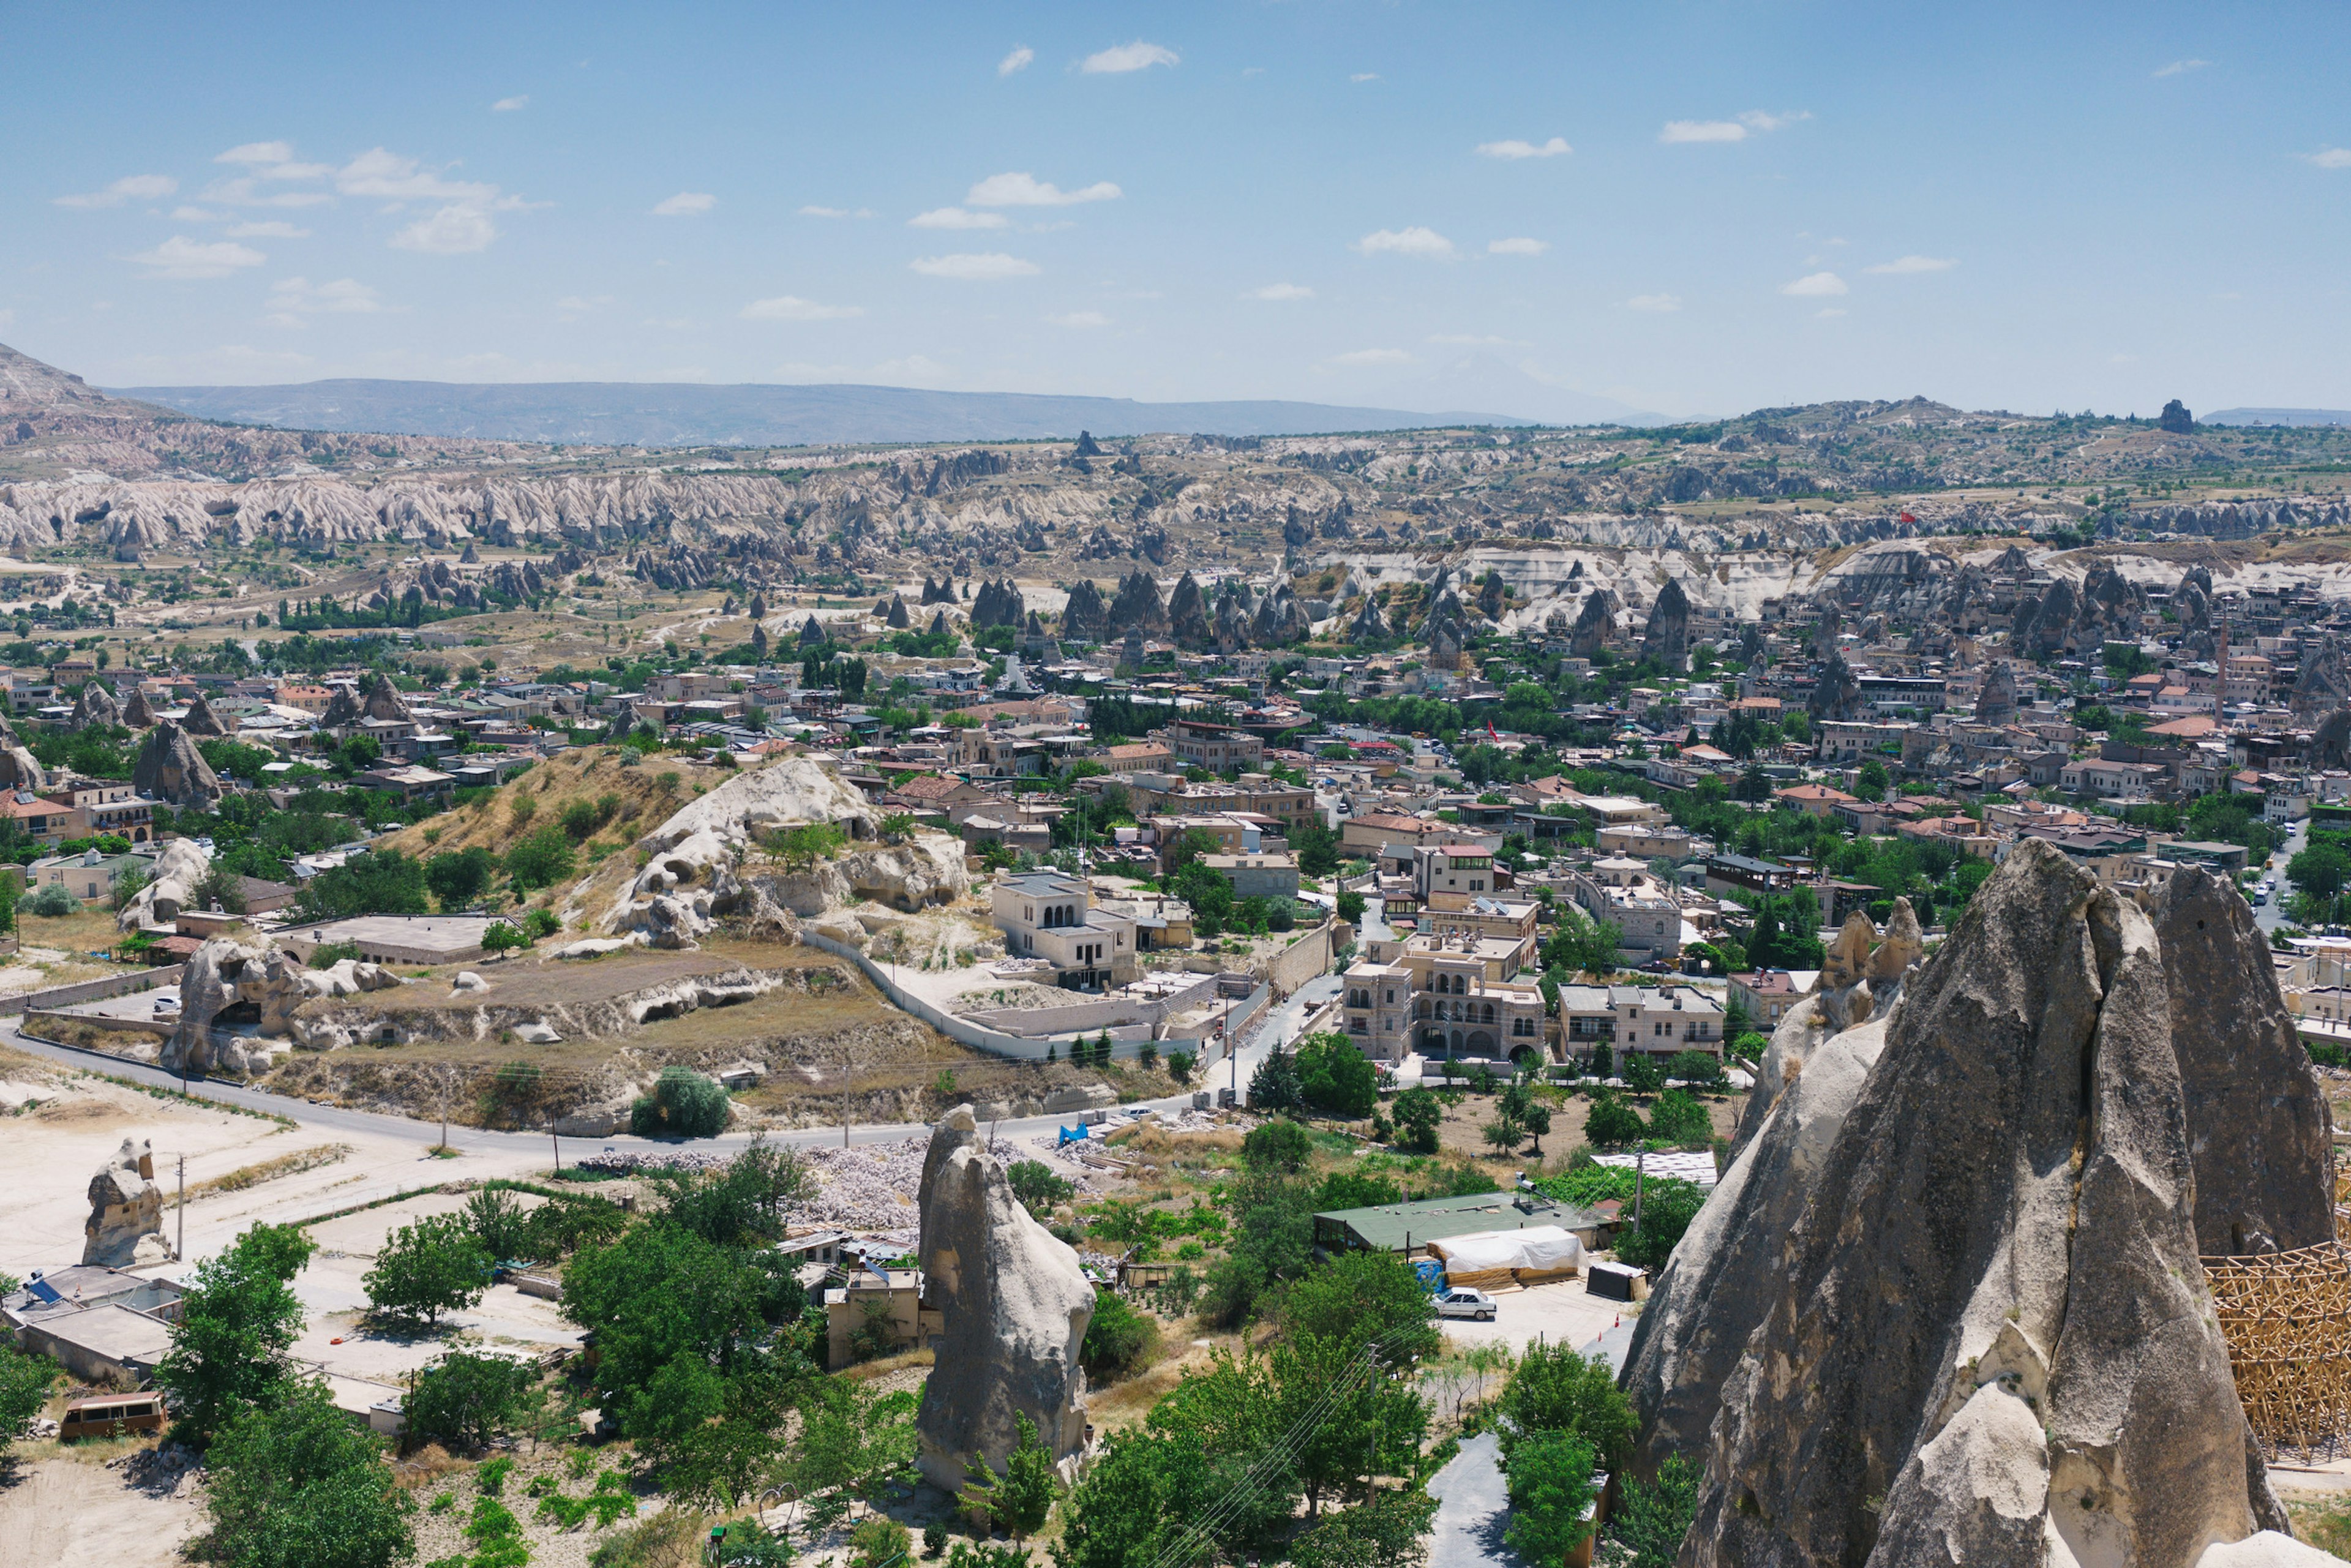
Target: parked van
[111,1414]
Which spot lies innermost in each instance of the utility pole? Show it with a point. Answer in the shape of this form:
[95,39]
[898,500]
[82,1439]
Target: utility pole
[179,1247]
[557,1142]
[445,1075]
[1640,1165]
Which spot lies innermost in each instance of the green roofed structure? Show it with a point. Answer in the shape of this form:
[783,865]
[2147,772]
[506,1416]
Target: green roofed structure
[1410,1227]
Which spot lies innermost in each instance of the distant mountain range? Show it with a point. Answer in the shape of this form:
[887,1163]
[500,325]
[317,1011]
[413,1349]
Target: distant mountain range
[2277,416]
[637,413]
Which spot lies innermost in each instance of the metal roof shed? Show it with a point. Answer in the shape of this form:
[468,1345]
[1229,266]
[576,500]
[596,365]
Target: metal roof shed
[1408,1227]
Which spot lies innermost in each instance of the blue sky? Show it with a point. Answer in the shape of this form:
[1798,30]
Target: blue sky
[1693,209]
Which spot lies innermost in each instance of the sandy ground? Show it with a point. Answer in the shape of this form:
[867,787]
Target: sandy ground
[74,1510]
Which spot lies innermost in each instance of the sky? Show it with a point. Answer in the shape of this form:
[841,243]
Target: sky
[1528,209]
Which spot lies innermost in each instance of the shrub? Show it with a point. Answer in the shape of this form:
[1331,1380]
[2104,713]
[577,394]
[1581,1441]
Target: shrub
[1037,1186]
[1682,1118]
[459,879]
[1118,1340]
[683,1105]
[327,955]
[1277,1145]
[544,856]
[1699,1070]
[877,1541]
[1613,1124]
[53,901]
[1667,1205]
[1180,1065]
[1641,1072]
[1650,1519]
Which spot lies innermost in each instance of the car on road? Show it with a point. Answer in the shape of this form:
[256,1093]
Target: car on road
[1464,1302]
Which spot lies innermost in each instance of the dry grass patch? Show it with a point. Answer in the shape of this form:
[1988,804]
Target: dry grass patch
[253,1176]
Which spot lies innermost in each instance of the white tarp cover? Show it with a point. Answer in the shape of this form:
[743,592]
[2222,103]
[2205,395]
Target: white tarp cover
[1541,1247]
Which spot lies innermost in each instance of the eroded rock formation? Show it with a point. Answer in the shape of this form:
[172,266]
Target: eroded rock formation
[125,1228]
[172,771]
[235,986]
[2006,1218]
[1014,1307]
[179,869]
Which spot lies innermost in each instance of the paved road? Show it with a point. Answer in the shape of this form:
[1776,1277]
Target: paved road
[2271,916]
[1473,1503]
[1281,1022]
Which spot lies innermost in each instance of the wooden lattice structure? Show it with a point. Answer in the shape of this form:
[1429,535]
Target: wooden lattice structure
[2286,1317]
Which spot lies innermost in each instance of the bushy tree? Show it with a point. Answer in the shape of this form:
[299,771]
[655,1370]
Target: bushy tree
[1020,1499]
[1667,1205]
[1359,1297]
[1277,1145]
[460,876]
[1388,1530]
[1641,1072]
[1275,1086]
[380,881]
[1117,1338]
[1554,1389]
[53,900]
[24,1387]
[295,1485]
[1335,1078]
[1037,1185]
[464,1400]
[542,857]
[1418,1114]
[661,1298]
[1681,1118]
[1613,1124]
[237,1322]
[683,1105]
[434,1266]
[1651,1518]
[1551,1487]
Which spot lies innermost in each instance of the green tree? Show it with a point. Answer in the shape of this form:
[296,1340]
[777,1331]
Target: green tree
[295,1485]
[683,1105]
[1020,1499]
[434,1266]
[1359,1297]
[806,844]
[24,1387]
[853,1443]
[1335,1078]
[464,1400]
[542,858]
[1682,1118]
[1651,1518]
[1351,909]
[1117,1338]
[1278,1144]
[1551,1487]
[238,1322]
[381,882]
[1418,1113]
[1667,1205]
[1272,1242]
[1388,1530]
[1275,1085]
[1554,1389]
[1641,1072]
[502,936]
[1037,1186]
[659,1295]
[461,876]
[1613,1124]
[1144,1492]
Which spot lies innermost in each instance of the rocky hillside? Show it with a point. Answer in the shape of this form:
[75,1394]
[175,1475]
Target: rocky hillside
[92,470]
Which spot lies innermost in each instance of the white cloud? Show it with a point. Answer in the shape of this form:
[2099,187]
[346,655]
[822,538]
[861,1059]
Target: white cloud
[1901,266]
[582,304]
[2331,157]
[1659,303]
[1373,356]
[2180,67]
[195,215]
[245,192]
[1473,341]
[986,266]
[453,230]
[379,172]
[1018,60]
[1517,247]
[1813,285]
[1365,76]
[1827,312]
[785,308]
[180,257]
[129,188]
[803,370]
[836,213]
[291,298]
[258,152]
[1556,147]
[1081,318]
[1025,190]
[508,105]
[1753,122]
[1135,56]
[957,218]
[276,228]
[1280,291]
[271,160]
[685,204]
[1416,241]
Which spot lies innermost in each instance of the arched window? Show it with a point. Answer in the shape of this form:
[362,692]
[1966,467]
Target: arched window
[1486,1014]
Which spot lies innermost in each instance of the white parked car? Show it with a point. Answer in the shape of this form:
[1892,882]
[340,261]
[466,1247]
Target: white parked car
[1466,1303]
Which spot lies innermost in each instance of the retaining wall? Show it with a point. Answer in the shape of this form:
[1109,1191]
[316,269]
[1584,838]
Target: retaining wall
[1098,1013]
[91,990]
